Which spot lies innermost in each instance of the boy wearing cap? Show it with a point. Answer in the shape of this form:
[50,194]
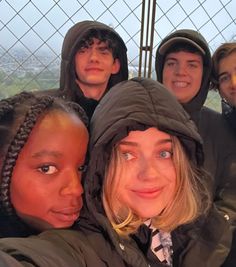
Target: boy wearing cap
[183,65]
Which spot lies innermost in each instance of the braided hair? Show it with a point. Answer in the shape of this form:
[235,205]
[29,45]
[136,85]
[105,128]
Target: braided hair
[18,116]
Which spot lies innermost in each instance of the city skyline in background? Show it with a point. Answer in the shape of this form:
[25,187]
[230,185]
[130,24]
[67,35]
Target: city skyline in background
[33,22]
[32,32]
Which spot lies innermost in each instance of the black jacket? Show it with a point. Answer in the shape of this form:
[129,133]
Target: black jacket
[135,104]
[229,113]
[68,87]
[218,141]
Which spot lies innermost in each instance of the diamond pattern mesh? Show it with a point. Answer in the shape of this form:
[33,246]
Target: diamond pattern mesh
[31,33]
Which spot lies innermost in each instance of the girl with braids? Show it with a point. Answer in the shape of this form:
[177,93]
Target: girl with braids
[43,143]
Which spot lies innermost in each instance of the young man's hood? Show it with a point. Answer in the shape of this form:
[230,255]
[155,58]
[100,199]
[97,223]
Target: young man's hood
[136,104]
[198,41]
[68,85]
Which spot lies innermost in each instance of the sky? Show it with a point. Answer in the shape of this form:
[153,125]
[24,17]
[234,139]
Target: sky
[41,24]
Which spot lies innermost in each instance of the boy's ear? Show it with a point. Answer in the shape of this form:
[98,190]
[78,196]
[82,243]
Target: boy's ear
[116,66]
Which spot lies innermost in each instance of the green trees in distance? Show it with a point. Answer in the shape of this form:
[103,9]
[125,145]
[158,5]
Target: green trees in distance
[15,83]
[48,79]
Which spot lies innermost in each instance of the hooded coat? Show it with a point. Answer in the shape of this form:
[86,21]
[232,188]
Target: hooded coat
[219,144]
[68,87]
[229,113]
[137,104]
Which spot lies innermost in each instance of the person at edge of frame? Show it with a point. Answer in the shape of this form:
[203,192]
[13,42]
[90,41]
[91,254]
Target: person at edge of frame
[224,81]
[183,64]
[40,177]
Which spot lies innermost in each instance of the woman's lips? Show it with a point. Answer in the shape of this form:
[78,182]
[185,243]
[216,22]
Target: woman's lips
[148,193]
[67,214]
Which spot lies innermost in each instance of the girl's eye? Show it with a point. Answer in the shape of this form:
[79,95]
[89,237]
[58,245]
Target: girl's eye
[165,154]
[127,155]
[82,168]
[47,169]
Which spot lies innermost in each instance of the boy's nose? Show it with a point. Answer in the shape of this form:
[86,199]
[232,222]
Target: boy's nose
[93,55]
[180,69]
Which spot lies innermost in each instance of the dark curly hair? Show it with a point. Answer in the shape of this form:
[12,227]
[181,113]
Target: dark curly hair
[103,36]
[18,116]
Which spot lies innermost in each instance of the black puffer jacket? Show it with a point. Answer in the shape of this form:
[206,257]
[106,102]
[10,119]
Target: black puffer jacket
[219,142]
[68,87]
[135,104]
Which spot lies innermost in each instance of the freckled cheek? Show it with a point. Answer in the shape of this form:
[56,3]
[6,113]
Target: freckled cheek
[165,167]
[170,174]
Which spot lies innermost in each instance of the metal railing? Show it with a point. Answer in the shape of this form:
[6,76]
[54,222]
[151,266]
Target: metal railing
[32,32]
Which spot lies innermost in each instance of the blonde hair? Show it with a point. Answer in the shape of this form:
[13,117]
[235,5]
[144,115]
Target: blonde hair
[191,197]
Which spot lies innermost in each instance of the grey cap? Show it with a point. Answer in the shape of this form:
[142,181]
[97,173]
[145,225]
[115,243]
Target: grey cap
[166,45]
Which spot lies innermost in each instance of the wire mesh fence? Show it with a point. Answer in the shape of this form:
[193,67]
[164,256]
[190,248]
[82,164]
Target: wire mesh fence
[32,32]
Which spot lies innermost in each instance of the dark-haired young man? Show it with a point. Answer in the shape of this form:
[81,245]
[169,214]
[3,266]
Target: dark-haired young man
[93,59]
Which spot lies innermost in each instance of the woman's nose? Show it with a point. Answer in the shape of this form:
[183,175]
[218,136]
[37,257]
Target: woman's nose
[147,170]
[73,184]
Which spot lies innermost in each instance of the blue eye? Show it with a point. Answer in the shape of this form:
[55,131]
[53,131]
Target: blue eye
[47,169]
[165,154]
[127,155]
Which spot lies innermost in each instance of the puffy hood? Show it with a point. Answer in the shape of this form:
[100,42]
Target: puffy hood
[136,104]
[197,40]
[70,46]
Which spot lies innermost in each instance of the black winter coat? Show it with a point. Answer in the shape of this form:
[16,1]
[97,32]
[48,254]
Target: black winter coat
[229,113]
[132,105]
